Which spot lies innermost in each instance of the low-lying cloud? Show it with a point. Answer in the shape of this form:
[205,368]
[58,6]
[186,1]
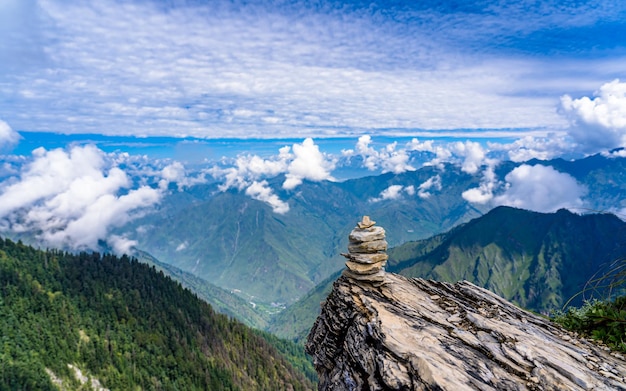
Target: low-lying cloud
[249,172]
[386,159]
[262,192]
[308,163]
[72,198]
[394,192]
[424,190]
[541,188]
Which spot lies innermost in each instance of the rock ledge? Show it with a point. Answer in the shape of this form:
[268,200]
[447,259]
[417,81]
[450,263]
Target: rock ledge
[414,334]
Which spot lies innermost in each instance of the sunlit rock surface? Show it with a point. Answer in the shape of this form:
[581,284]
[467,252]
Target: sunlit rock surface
[414,334]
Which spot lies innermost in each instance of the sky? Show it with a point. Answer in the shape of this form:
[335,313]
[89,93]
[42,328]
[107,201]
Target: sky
[128,97]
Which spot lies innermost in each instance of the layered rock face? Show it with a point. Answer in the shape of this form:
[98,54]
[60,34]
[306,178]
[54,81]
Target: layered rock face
[367,253]
[394,333]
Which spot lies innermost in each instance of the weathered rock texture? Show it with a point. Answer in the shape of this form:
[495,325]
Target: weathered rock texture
[414,334]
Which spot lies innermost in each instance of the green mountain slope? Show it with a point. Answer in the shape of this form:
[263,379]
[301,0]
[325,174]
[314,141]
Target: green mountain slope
[295,322]
[537,260]
[241,245]
[124,324]
[271,260]
[221,300]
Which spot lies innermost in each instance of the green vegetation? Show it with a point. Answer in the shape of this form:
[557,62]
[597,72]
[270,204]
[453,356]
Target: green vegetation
[220,299]
[603,320]
[537,260]
[296,321]
[241,245]
[125,324]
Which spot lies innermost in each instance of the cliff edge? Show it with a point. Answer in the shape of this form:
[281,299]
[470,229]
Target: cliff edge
[395,333]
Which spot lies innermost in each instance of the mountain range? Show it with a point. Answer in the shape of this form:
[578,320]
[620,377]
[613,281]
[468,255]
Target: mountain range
[539,261]
[272,259]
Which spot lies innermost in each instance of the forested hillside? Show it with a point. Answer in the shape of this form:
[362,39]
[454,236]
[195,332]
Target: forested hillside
[537,260]
[126,325]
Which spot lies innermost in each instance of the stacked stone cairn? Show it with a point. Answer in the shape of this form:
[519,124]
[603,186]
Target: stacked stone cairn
[367,253]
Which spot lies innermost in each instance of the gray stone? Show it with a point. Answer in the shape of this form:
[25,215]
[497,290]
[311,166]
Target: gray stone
[368,247]
[365,268]
[367,258]
[366,235]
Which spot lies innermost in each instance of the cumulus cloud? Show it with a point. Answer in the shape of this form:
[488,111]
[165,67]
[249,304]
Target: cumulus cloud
[248,168]
[387,159]
[473,155]
[121,244]
[262,192]
[432,183]
[485,190]
[394,192]
[531,147]
[599,123]
[249,172]
[175,172]
[308,163]
[72,198]
[8,136]
[540,188]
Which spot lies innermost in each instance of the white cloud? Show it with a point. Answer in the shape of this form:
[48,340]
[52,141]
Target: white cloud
[308,163]
[182,246]
[8,136]
[262,192]
[121,244]
[540,188]
[531,147]
[422,146]
[249,171]
[599,123]
[387,159]
[473,155]
[393,192]
[249,168]
[485,190]
[442,155]
[71,198]
[433,182]
[249,69]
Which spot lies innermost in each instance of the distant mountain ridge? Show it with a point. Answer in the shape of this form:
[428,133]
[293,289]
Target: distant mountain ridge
[537,260]
[241,245]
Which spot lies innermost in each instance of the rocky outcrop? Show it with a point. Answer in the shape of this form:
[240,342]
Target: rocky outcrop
[397,333]
[414,334]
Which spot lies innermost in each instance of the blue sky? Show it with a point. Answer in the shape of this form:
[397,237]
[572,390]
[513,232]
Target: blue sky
[129,96]
[222,69]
